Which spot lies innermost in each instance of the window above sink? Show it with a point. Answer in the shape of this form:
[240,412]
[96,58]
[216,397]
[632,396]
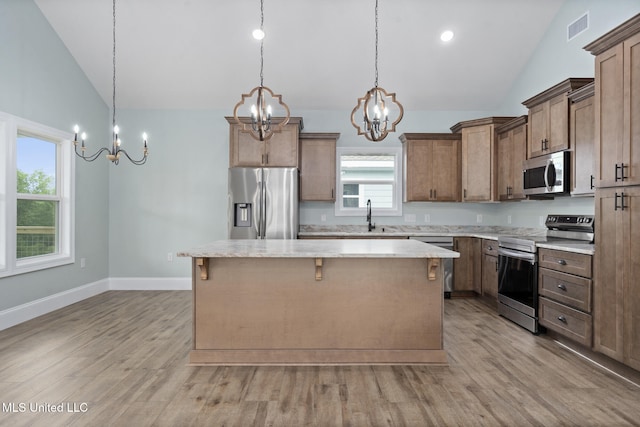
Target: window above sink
[369,174]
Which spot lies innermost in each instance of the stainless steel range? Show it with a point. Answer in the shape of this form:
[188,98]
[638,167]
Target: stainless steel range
[518,266]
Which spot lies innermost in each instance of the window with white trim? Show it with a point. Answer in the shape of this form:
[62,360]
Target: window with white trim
[369,174]
[36,196]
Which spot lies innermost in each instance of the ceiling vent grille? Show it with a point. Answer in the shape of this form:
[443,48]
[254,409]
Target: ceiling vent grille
[578,26]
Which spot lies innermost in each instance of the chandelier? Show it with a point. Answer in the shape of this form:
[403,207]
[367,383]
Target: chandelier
[262,125]
[375,105]
[113,153]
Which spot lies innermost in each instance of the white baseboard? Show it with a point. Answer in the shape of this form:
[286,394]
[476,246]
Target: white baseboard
[150,283]
[15,315]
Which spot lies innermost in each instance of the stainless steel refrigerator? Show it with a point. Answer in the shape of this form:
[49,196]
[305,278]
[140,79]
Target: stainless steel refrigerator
[263,203]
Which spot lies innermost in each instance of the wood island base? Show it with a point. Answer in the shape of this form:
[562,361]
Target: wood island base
[317,311]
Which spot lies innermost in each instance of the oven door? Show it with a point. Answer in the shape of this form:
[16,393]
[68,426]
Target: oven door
[518,280]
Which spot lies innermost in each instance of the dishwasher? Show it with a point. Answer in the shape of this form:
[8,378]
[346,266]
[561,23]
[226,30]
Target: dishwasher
[446,243]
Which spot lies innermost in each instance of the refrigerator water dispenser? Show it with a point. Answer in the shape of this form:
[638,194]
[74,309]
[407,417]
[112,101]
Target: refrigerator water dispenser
[242,214]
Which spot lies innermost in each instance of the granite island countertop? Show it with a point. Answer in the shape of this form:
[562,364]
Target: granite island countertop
[326,248]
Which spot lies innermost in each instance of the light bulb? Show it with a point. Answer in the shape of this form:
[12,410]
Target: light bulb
[446,36]
[83,136]
[116,129]
[144,136]
[76,129]
[258,34]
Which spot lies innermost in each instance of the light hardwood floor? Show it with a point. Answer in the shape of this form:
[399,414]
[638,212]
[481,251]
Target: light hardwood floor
[122,358]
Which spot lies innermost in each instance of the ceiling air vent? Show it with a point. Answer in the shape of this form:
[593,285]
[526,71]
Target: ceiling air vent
[578,26]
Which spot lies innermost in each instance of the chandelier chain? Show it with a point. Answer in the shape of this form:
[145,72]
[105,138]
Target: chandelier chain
[114,64]
[376,82]
[261,42]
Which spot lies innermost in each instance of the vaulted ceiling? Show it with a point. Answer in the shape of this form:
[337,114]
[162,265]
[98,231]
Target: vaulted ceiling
[199,54]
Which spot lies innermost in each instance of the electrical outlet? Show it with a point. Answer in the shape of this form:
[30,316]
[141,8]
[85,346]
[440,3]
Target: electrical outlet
[427,218]
[508,219]
[479,218]
[170,257]
[323,217]
[541,219]
[83,262]
[410,217]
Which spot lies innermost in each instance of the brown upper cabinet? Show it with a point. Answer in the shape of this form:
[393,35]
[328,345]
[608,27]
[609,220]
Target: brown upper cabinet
[281,150]
[479,169]
[318,166]
[431,167]
[512,152]
[617,105]
[549,118]
[582,134]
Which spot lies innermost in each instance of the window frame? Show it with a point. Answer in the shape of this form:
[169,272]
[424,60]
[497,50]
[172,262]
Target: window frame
[396,209]
[10,265]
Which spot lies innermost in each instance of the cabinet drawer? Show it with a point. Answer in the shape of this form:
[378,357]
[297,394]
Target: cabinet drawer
[490,247]
[571,290]
[567,262]
[571,323]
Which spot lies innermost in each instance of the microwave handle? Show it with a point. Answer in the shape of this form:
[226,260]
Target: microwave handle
[549,168]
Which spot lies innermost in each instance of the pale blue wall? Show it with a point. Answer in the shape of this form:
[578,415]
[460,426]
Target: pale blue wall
[40,81]
[178,199]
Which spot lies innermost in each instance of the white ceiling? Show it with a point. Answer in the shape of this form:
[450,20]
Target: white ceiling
[199,54]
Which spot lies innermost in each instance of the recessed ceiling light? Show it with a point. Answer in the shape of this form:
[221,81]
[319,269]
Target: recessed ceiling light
[258,34]
[446,36]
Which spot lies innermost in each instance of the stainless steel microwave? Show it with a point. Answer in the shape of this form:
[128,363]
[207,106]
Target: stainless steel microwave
[547,175]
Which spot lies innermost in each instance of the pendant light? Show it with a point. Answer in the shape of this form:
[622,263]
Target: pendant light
[113,153]
[262,125]
[375,104]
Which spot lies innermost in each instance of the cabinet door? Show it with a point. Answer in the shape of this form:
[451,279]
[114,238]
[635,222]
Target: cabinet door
[490,276]
[582,129]
[418,170]
[478,158]
[631,134]
[317,169]
[609,123]
[518,156]
[558,127]
[445,170]
[505,172]
[631,290]
[244,150]
[537,129]
[282,148]
[466,268]
[608,280]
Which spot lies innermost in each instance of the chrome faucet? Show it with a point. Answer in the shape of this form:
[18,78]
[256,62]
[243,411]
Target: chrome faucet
[371,226]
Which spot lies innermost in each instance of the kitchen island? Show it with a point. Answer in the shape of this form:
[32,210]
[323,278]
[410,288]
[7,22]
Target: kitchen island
[301,302]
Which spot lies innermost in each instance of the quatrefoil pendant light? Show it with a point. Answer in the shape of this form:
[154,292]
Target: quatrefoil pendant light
[375,105]
[113,153]
[262,126]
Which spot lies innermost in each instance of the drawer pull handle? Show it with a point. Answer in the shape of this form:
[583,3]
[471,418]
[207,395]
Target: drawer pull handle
[562,262]
[562,319]
[562,287]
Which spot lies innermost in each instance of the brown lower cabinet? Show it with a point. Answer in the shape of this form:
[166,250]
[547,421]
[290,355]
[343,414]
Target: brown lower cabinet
[565,287]
[490,268]
[467,269]
[617,274]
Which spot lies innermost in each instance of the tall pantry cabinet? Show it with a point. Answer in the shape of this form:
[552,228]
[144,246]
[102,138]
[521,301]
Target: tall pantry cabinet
[617,196]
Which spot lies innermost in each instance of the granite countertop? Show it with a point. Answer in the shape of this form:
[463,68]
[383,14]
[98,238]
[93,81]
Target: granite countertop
[482,232]
[339,248]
